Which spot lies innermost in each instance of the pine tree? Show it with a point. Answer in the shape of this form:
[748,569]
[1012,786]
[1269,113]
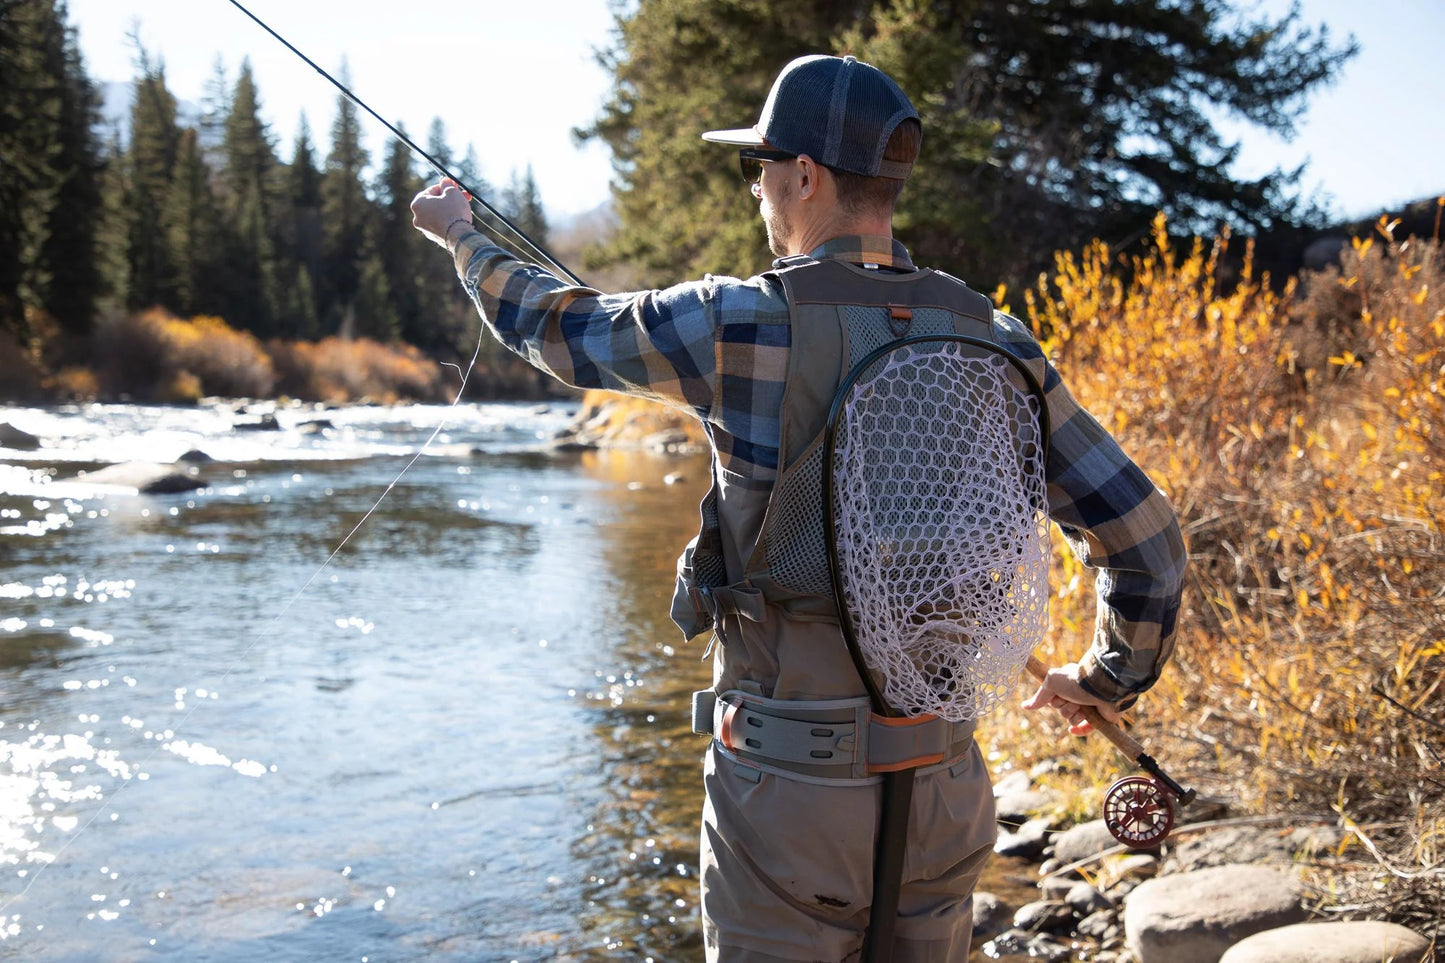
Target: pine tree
[448,321]
[303,200]
[683,210]
[192,231]
[70,252]
[248,199]
[345,213]
[49,172]
[215,108]
[154,146]
[373,313]
[396,240]
[1045,123]
[524,207]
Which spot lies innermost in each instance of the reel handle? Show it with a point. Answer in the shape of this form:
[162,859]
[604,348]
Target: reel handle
[1125,743]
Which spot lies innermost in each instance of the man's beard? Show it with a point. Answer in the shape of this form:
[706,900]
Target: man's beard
[777,222]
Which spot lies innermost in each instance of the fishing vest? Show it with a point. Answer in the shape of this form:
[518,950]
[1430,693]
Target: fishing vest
[760,546]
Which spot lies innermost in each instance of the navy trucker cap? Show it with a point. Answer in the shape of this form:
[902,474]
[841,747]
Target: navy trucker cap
[837,110]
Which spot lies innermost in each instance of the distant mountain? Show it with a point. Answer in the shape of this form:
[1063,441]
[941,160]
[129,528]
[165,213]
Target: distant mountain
[116,97]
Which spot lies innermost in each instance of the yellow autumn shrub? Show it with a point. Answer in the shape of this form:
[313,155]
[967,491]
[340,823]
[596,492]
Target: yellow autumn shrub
[1301,437]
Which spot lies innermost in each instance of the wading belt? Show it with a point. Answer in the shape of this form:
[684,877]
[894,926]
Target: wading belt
[837,739]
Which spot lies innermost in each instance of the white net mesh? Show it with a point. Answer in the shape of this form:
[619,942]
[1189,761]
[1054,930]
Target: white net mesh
[941,536]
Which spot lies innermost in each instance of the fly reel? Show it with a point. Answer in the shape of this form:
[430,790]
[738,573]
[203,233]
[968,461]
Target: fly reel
[1139,811]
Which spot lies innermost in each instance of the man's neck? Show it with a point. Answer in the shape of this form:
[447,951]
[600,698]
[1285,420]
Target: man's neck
[807,241]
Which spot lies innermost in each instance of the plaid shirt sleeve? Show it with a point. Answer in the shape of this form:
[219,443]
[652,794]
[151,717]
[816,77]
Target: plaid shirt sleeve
[1117,521]
[716,348]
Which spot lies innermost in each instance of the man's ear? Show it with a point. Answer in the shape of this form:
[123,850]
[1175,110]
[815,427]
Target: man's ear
[808,174]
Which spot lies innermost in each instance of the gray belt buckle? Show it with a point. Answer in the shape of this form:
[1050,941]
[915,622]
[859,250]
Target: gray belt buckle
[703,703]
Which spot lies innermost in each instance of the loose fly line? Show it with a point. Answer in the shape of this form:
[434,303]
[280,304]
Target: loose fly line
[479,208]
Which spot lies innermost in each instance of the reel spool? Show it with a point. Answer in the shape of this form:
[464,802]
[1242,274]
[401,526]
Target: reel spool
[1139,811]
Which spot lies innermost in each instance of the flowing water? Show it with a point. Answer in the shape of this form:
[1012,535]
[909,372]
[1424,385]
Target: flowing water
[464,736]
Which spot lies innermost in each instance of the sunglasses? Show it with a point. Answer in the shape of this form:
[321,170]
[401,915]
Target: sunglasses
[751,159]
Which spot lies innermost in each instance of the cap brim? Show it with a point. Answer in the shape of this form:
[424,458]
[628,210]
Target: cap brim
[741,136]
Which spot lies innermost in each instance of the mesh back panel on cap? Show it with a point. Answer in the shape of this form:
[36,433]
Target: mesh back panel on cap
[838,111]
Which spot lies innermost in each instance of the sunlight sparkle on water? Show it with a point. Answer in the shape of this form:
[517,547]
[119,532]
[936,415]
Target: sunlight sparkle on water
[200,754]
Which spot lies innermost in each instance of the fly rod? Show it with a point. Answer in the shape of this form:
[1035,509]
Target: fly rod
[542,253]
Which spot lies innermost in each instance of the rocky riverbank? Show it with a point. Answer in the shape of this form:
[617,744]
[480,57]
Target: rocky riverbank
[1220,890]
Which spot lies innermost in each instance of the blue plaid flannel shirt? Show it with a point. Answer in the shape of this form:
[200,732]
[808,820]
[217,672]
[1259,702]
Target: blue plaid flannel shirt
[718,348]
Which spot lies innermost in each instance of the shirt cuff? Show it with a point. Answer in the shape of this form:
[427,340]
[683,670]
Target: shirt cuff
[464,245]
[1099,683]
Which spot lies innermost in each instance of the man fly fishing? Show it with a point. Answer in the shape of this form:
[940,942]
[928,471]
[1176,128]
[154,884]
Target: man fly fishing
[792,774]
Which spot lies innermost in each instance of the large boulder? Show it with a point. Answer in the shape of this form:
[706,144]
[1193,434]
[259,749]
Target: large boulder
[1194,917]
[1364,941]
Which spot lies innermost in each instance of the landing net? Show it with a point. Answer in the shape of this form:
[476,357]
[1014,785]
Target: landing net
[941,538]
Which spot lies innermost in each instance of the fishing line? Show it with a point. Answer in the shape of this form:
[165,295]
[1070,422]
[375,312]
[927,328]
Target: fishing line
[107,800]
[472,196]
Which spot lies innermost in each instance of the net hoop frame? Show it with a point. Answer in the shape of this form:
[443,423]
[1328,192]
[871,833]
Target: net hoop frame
[830,441]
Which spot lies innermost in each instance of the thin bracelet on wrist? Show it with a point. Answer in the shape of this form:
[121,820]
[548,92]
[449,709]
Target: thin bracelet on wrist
[447,234]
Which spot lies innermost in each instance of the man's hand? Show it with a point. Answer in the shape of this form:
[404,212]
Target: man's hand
[440,210]
[1061,690]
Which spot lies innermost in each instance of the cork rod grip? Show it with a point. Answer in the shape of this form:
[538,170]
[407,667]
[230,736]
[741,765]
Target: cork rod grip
[1126,743]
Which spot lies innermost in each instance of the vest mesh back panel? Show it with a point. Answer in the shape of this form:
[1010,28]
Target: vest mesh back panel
[942,536]
[796,549]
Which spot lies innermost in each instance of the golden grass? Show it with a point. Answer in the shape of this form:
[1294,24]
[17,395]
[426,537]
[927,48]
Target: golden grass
[154,355]
[338,370]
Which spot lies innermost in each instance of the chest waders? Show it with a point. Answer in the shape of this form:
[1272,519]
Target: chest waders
[904,373]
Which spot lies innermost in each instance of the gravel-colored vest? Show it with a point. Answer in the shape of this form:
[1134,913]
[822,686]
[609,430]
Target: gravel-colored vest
[770,542]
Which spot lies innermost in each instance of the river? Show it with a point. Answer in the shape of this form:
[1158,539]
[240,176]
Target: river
[229,732]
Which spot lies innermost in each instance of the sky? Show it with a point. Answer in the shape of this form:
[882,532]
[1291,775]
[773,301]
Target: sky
[514,78]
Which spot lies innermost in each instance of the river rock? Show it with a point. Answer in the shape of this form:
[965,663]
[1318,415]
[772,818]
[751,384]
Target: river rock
[1018,807]
[1348,942]
[1045,915]
[1243,844]
[1056,887]
[1194,917]
[1012,782]
[266,422]
[1031,946]
[1099,926]
[1135,866]
[990,914]
[12,437]
[147,478]
[1085,898]
[669,439]
[1082,841]
[1027,842]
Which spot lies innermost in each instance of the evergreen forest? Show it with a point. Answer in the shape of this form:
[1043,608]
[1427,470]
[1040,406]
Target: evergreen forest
[1046,130]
